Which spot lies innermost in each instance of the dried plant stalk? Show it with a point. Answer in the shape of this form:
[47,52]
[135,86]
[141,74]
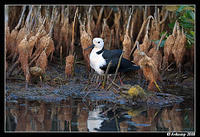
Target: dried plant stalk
[97,27]
[65,32]
[116,38]
[133,29]
[73,32]
[105,35]
[89,21]
[141,30]
[69,68]
[56,31]
[156,24]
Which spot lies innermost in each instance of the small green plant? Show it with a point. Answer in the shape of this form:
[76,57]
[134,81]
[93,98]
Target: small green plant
[186,17]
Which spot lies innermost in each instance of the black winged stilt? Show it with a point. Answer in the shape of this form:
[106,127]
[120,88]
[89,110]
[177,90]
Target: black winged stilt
[100,58]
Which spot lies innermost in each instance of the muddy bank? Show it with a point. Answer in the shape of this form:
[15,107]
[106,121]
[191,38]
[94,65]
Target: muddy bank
[55,87]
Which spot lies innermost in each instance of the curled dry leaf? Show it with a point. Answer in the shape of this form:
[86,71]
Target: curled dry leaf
[126,47]
[50,47]
[23,58]
[13,37]
[168,46]
[179,48]
[69,68]
[146,44]
[150,71]
[42,44]
[85,41]
[157,56]
[36,71]
[32,42]
[42,61]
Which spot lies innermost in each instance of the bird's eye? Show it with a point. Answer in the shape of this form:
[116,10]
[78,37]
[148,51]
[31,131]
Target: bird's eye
[99,42]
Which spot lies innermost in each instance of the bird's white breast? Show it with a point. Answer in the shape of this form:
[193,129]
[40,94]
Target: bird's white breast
[97,61]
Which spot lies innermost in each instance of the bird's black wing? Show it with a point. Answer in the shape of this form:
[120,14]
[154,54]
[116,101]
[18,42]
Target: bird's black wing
[111,54]
[114,55]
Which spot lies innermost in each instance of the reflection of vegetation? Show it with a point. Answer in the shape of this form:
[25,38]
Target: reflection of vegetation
[137,111]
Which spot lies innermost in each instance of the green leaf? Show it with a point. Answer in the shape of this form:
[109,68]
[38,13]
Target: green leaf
[180,8]
[191,14]
[192,32]
[186,25]
[189,36]
[171,25]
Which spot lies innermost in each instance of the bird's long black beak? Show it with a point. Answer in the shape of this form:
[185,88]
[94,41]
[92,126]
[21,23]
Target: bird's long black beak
[92,46]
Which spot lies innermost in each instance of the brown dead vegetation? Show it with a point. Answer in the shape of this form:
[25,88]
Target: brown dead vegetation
[127,40]
[54,31]
[149,69]
[157,56]
[69,67]
[86,41]
[179,47]
[169,43]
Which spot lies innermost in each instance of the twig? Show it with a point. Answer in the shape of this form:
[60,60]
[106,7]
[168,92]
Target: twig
[12,68]
[117,125]
[169,66]
[109,14]
[157,48]
[118,65]
[165,17]
[89,20]
[20,20]
[105,75]
[141,30]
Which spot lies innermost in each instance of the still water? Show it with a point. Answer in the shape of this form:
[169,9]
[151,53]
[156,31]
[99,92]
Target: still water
[74,114]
